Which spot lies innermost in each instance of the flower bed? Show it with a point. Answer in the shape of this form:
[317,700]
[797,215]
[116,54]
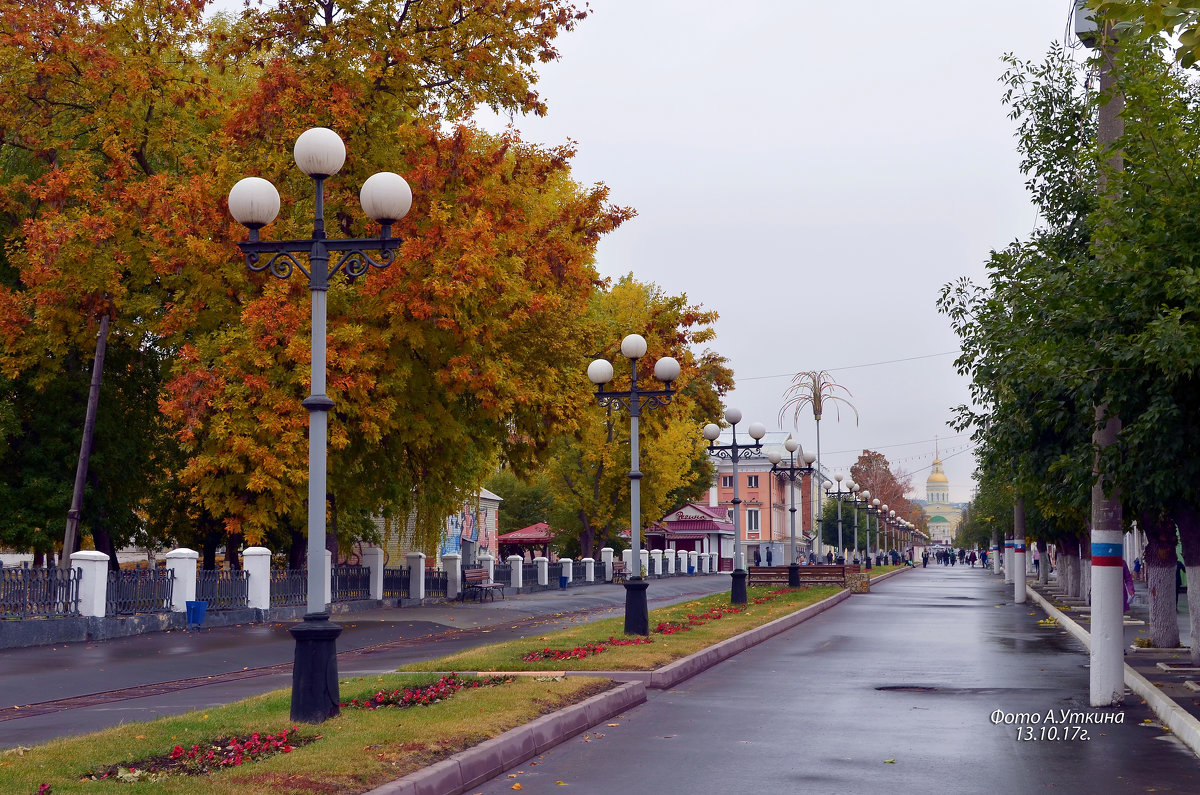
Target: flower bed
[440,690]
[217,754]
[583,651]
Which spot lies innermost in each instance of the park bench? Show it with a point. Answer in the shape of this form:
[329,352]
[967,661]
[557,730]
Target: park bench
[475,583]
[822,574]
[619,572]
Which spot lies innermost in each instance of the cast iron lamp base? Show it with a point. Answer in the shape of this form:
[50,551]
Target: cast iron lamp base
[314,671]
[637,614]
[738,593]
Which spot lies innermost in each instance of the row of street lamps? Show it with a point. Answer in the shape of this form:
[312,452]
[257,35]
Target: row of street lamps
[386,198]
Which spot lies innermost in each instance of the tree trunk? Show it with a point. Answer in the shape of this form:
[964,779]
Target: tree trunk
[1161,564]
[1188,520]
[209,551]
[587,537]
[39,559]
[1068,566]
[1043,564]
[297,551]
[1085,572]
[232,545]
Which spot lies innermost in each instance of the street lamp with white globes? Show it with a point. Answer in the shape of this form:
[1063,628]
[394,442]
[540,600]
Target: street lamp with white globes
[734,451]
[385,198]
[875,510]
[866,498]
[841,494]
[600,372]
[791,471]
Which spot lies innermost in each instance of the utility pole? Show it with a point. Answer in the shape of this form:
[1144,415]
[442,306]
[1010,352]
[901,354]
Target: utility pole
[85,448]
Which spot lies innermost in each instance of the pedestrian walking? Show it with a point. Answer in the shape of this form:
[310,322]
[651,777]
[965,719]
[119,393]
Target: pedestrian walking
[757,557]
[768,556]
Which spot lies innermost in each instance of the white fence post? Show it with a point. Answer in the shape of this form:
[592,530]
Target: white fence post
[568,569]
[669,559]
[516,565]
[257,562]
[93,582]
[453,564]
[606,558]
[416,575]
[489,565]
[328,578]
[589,569]
[373,560]
[656,566]
[182,561]
[543,568]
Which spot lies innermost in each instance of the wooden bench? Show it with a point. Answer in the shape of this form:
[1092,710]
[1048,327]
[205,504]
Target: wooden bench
[475,583]
[620,574]
[809,575]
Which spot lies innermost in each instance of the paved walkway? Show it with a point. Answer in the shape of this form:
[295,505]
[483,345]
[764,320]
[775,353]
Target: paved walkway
[891,691]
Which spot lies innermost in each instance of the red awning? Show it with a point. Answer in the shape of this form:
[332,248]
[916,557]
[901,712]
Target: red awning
[698,526]
[535,534]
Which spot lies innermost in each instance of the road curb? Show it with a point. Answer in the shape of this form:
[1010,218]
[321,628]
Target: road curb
[485,761]
[1181,723]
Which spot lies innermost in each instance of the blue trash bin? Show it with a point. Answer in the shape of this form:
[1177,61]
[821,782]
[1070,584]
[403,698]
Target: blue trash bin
[691,569]
[562,582]
[195,613]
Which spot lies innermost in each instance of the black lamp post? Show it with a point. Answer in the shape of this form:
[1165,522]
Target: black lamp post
[254,202]
[866,498]
[841,495]
[791,471]
[734,452]
[600,372]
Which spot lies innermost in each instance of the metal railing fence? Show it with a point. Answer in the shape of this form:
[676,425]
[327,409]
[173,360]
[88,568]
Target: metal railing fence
[133,591]
[28,593]
[395,583]
[351,582]
[223,590]
[289,587]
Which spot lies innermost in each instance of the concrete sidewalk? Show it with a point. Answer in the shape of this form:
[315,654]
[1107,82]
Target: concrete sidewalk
[935,681]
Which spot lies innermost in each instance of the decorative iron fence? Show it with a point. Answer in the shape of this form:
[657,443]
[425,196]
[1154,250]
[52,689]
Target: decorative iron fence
[133,591]
[223,590]
[26,592]
[529,575]
[289,587]
[435,582]
[502,574]
[395,583]
[351,582]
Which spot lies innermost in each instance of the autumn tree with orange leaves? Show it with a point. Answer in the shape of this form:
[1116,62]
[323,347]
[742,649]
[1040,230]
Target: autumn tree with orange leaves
[122,126]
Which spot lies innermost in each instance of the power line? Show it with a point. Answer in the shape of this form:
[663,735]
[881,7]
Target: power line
[853,366]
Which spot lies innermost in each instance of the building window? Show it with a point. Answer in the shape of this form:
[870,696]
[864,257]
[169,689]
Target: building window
[752,481]
[727,481]
[752,525]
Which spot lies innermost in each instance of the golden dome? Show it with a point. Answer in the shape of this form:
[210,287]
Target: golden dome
[937,477]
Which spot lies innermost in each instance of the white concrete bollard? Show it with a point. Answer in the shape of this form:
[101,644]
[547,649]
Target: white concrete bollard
[453,564]
[93,582]
[257,562]
[373,560]
[182,561]
[416,574]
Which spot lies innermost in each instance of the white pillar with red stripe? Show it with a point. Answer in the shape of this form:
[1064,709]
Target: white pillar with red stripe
[1107,625]
[1008,560]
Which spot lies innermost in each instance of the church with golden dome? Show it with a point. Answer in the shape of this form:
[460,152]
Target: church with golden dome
[943,516]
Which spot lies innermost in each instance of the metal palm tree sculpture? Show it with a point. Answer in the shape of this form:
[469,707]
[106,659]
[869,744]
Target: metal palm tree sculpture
[813,389]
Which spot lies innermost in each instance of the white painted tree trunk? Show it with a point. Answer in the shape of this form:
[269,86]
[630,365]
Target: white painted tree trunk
[1193,600]
[1164,626]
[1085,580]
[1043,564]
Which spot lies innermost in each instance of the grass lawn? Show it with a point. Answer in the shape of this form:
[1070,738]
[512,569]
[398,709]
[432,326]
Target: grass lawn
[663,648]
[361,749]
[356,751]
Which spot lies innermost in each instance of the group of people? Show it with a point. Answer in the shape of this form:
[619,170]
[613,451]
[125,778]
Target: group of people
[950,557]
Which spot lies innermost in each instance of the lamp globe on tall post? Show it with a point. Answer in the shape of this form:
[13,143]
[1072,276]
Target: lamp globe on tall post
[600,372]
[791,471]
[895,530]
[875,510]
[254,203]
[734,452]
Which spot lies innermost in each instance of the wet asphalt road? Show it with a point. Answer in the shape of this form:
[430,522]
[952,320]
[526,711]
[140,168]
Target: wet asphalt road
[887,692]
[371,642]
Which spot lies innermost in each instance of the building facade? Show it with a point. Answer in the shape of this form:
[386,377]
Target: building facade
[943,516]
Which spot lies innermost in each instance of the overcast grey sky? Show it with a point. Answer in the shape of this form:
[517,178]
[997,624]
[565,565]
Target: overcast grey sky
[815,172]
